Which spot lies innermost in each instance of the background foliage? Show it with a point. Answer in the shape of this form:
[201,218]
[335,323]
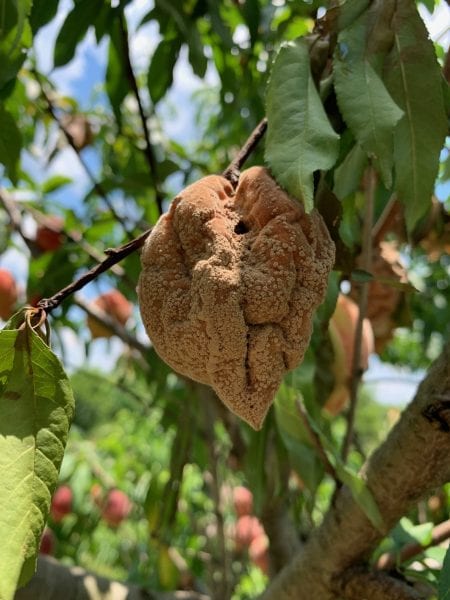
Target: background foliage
[354,93]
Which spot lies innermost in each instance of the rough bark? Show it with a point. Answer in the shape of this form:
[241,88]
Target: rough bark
[413,460]
[360,584]
[284,541]
[54,581]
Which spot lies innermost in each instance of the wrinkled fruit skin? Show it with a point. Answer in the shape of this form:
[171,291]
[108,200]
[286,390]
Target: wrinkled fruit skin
[116,306]
[61,503]
[116,507]
[229,285]
[242,500]
[342,330]
[49,239]
[8,294]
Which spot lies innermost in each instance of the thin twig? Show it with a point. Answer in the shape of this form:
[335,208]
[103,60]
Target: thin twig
[104,319]
[148,149]
[392,211]
[15,219]
[77,238]
[114,255]
[389,560]
[97,186]
[232,172]
[315,439]
[366,256]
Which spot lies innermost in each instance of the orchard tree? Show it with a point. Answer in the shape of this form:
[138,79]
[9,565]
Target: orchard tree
[237,453]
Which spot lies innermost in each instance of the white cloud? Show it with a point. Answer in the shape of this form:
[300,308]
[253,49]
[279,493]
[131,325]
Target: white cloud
[142,45]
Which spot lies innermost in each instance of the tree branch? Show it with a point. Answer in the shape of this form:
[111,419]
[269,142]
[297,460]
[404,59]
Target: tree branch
[360,583]
[389,560]
[97,186]
[148,150]
[54,581]
[114,326]
[412,461]
[366,256]
[233,170]
[115,255]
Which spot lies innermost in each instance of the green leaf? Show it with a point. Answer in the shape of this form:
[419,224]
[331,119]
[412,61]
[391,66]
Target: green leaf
[36,407]
[413,78]
[15,37]
[363,100]
[116,80]
[10,143]
[348,175]
[361,276]
[361,494]
[300,139]
[296,438]
[74,29]
[42,12]
[444,579]
[54,183]
[348,11]
[197,57]
[160,73]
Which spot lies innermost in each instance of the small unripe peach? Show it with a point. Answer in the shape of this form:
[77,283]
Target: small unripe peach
[49,237]
[47,545]
[8,294]
[247,529]
[116,306]
[116,507]
[61,503]
[242,500]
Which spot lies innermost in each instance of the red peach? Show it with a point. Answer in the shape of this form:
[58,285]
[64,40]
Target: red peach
[116,507]
[247,529]
[243,501]
[61,503]
[49,237]
[258,552]
[47,545]
[8,294]
[116,306]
